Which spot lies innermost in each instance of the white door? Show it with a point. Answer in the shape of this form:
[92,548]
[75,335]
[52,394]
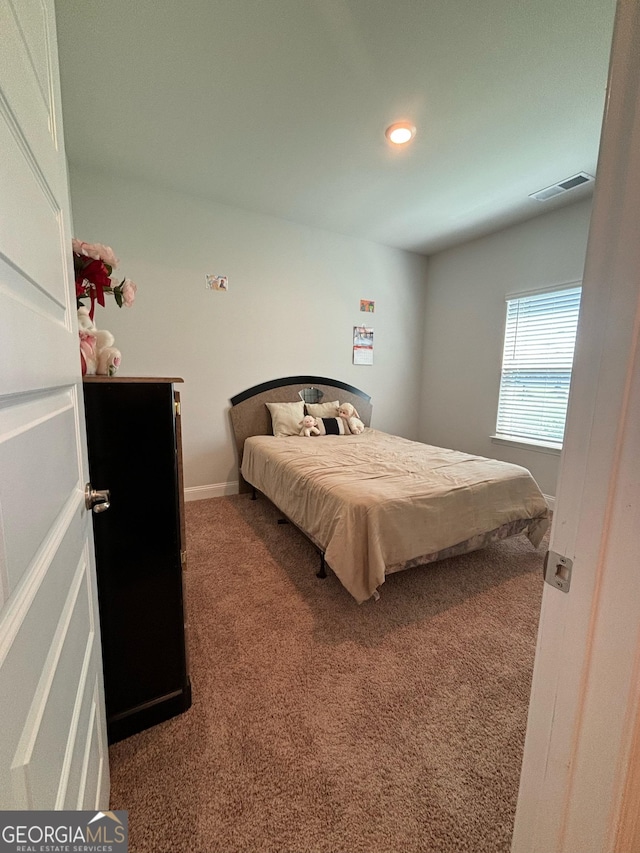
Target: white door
[52,729]
[580,784]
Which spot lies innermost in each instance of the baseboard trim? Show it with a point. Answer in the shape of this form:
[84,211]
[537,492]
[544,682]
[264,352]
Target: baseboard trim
[215,490]
[551,501]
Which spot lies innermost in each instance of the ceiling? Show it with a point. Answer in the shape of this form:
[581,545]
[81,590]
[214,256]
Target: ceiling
[280,106]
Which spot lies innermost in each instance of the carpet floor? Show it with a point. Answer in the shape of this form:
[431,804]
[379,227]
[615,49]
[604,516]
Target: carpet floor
[321,726]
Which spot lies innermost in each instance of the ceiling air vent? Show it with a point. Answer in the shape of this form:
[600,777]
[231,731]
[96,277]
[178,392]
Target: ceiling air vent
[562,187]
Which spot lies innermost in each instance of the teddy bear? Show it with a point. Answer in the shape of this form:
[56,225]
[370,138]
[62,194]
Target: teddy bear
[97,352]
[309,426]
[349,414]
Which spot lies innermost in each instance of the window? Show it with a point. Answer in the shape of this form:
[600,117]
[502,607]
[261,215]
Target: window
[539,340]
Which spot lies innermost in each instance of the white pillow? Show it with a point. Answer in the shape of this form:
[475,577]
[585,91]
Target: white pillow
[323,410]
[286,417]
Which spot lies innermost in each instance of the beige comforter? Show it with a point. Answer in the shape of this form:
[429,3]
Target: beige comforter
[374,501]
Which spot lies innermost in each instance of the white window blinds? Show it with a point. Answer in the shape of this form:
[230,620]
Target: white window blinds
[539,341]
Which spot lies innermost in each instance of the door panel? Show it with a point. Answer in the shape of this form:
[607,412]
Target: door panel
[84,752]
[29,622]
[92,781]
[53,737]
[26,463]
[39,757]
[32,101]
[30,16]
[20,178]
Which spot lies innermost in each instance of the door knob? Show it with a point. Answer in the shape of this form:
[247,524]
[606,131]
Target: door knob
[96,499]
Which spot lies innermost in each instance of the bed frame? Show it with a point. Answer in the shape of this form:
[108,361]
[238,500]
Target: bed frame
[250,416]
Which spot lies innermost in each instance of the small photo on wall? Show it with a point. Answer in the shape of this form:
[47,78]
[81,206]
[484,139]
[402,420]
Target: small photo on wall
[367,305]
[217,282]
[362,345]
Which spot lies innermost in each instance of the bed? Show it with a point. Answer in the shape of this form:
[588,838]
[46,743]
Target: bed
[376,503]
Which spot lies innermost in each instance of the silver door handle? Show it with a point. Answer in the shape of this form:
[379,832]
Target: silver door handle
[96,499]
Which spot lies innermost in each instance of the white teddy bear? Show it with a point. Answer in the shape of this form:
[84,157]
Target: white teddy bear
[349,414]
[309,426]
[97,352]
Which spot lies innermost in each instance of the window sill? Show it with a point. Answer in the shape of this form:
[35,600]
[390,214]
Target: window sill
[528,444]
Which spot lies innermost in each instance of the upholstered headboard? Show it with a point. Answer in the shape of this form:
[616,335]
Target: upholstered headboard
[250,416]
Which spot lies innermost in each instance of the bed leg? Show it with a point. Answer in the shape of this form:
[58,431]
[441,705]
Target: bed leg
[254,496]
[322,573]
[283,521]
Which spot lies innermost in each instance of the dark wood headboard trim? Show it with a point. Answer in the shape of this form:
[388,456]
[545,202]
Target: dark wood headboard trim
[295,380]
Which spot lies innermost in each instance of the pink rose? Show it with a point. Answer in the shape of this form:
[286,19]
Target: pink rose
[129,290]
[97,251]
[107,255]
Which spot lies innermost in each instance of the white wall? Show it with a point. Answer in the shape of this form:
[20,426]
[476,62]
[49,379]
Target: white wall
[464,328]
[292,303]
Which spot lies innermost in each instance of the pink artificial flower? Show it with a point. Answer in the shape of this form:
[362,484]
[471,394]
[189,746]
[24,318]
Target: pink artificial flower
[97,251]
[129,290]
[93,264]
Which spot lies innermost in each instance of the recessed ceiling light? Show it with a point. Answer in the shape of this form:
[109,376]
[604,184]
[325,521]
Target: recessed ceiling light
[400,133]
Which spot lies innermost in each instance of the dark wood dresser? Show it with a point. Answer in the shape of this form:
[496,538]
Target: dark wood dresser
[134,444]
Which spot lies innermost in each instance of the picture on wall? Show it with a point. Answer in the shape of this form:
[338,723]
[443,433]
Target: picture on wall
[217,282]
[367,305]
[362,345]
